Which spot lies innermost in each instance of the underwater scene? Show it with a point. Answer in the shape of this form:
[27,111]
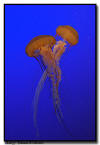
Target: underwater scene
[50,72]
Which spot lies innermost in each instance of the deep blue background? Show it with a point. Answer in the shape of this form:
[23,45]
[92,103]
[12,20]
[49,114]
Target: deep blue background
[22,73]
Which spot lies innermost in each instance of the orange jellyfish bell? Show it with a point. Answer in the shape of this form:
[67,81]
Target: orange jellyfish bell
[34,46]
[68,33]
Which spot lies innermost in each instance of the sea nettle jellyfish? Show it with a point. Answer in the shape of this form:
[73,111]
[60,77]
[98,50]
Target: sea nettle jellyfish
[47,51]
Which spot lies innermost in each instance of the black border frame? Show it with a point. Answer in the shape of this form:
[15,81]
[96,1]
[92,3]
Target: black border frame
[96,83]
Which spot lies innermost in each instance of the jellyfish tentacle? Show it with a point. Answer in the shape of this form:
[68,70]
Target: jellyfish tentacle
[41,64]
[56,99]
[58,72]
[61,120]
[56,102]
[59,114]
[36,98]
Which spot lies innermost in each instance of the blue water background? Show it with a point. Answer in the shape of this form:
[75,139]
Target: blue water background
[22,73]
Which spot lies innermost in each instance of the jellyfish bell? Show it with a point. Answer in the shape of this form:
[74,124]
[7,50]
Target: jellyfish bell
[68,37]
[68,33]
[39,46]
[34,46]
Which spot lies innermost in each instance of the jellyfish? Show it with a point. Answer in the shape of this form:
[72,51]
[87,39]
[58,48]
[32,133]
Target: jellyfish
[47,51]
[70,38]
[40,48]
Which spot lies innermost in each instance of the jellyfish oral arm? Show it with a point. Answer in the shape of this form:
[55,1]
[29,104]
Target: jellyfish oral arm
[59,49]
[58,75]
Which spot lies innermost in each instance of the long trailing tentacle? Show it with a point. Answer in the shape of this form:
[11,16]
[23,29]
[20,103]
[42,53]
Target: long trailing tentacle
[56,99]
[56,102]
[41,63]
[36,98]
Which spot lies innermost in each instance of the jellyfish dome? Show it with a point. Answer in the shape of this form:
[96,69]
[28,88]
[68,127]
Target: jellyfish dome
[37,42]
[68,33]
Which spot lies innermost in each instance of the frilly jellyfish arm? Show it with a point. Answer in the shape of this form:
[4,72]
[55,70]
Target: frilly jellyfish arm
[58,75]
[59,49]
[53,70]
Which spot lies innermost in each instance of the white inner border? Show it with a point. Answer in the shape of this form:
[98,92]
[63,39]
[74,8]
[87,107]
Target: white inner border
[2,2]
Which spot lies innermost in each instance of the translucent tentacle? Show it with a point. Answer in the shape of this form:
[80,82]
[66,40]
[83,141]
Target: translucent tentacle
[58,75]
[56,99]
[56,102]
[41,63]
[36,98]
